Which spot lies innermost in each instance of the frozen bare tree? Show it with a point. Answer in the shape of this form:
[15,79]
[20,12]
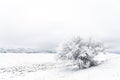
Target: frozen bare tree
[81,52]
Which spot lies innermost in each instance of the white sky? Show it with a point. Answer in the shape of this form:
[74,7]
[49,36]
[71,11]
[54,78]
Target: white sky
[44,23]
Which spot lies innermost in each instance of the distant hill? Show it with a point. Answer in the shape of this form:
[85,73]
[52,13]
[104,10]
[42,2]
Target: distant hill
[23,50]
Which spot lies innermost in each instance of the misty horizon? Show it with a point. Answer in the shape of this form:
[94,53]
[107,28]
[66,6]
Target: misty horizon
[43,24]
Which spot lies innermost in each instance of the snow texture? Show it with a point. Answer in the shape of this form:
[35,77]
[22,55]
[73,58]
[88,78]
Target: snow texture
[45,67]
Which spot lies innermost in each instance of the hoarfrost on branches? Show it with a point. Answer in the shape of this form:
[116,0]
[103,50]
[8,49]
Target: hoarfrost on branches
[81,52]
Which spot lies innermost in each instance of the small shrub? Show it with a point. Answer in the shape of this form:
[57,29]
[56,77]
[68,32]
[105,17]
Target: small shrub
[81,52]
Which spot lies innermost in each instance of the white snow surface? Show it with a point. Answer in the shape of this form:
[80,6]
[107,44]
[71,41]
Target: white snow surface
[46,67]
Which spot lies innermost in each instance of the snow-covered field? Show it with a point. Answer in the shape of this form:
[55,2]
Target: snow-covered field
[46,67]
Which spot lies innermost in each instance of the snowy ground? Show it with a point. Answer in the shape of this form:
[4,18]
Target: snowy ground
[46,67]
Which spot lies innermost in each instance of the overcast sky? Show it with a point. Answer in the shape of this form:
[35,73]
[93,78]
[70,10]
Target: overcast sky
[44,23]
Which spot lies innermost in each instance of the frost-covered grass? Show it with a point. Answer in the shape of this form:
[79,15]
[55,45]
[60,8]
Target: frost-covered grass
[45,67]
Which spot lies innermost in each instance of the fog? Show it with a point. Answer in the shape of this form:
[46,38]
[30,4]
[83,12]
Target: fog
[44,24]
